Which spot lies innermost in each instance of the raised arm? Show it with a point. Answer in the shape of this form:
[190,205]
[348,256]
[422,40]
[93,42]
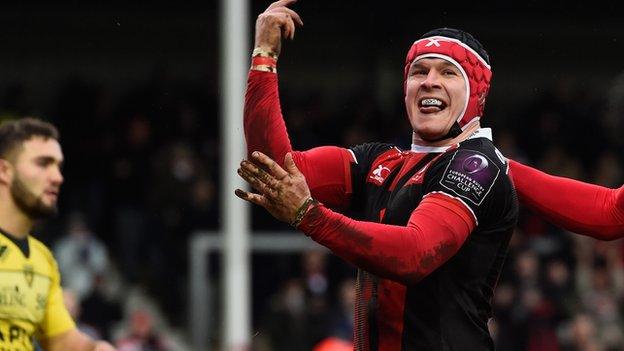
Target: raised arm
[583,208]
[264,125]
[326,169]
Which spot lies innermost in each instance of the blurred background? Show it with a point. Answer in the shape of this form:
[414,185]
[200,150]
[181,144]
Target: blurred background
[134,90]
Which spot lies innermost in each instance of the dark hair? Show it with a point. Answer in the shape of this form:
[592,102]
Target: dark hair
[462,36]
[14,133]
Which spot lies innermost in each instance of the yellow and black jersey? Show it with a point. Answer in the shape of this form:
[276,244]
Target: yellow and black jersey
[31,298]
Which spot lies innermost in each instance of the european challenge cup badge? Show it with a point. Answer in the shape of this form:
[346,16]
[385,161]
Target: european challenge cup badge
[470,175]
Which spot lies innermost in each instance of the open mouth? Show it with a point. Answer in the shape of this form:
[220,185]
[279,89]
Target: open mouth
[431,105]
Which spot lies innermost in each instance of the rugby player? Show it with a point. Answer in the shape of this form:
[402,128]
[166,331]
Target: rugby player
[31,299]
[434,221]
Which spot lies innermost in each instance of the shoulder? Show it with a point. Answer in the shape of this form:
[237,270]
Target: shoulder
[473,156]
[370,151]
[40,248]
[366,154]
[486,147]
[472,171]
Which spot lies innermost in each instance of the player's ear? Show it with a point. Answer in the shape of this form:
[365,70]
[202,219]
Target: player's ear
[6,172]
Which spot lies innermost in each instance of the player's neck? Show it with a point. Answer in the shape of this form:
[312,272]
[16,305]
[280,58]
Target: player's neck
[13,220]
[465,134]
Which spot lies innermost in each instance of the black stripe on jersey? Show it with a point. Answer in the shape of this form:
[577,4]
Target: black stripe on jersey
[389,196]
[401,219]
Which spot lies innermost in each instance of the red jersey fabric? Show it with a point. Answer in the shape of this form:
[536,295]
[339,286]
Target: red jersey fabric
[576,206]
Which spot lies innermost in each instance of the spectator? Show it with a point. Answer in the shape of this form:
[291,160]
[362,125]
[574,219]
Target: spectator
[342,316]
[288,322]
[82,257]
[142,335]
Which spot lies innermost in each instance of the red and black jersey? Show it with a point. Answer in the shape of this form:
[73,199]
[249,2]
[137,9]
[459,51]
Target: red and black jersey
[450,307]
[429,233]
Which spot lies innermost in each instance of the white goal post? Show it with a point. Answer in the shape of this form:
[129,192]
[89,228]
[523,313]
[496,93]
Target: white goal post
[201,289]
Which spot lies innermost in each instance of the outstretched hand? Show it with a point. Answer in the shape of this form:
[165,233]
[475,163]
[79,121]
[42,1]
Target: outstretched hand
[281,191]
[275,22]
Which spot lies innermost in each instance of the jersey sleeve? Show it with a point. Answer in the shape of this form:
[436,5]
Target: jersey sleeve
[327,169]
[573,205]
[264,126]
[474,176]
[328,174]
[336,175]
[436,230]
[56,318]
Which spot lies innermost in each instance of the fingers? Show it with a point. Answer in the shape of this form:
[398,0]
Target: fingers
[274,168]
[282,18]
[285,16]
[289,31]
[295,16]
[253,170]
[290,13]
[259,180]
[290,165]
[251,197]
[281,3]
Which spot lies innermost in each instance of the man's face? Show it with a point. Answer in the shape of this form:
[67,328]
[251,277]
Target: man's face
[37,177]
[436,94]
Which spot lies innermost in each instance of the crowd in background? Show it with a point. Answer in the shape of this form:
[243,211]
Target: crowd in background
[142,175]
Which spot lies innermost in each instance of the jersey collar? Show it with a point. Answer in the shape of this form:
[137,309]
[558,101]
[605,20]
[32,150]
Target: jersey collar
[22,244]
[479,133]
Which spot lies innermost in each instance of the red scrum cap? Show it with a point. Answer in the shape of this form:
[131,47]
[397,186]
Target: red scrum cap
[468,55]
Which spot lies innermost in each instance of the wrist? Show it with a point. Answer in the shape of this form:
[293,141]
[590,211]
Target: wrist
[308,204]
[262,51]
[264,60]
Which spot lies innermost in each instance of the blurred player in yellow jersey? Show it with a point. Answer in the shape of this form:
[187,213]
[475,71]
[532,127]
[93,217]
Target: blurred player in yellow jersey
[31,299]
